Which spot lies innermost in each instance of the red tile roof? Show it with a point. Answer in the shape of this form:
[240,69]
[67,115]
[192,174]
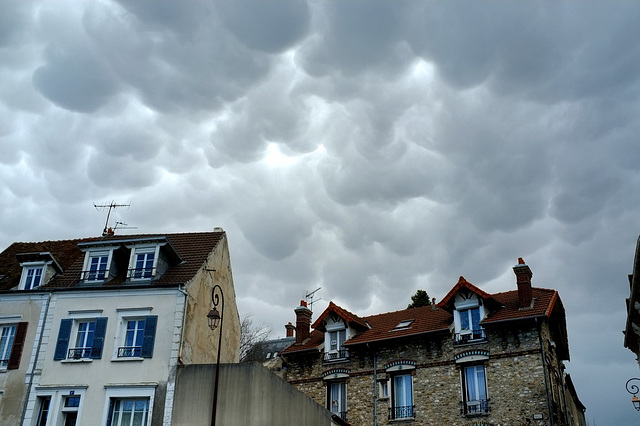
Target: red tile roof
[447,302]
[193,249]
[350,318]
[429,319]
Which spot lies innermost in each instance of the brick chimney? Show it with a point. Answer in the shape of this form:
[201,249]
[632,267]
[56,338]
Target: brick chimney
[523,279]
[290,327]
[303,322]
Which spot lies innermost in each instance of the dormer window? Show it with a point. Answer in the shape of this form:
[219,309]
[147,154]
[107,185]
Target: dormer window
[469,312]
[37,269]
[335,336]
[97,265]
[143,262]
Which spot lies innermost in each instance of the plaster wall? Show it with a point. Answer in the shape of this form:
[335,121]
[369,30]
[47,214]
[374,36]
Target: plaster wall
[200,343]
[13,383]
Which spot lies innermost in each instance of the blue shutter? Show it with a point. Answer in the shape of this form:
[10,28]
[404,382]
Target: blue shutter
[98,338]
[63,339]
[148,340]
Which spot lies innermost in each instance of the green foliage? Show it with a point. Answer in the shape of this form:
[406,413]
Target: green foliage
[421,298]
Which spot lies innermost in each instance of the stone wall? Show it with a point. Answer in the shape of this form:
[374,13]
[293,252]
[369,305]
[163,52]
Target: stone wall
[515,375]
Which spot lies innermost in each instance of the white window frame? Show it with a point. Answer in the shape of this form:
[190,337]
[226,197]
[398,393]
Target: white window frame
[342,384]
[78,317]
[33,266]
[124,316]
[143,250]
[128,392]
[57,410]
[383,388]
[394,403]
[91,254]
[7,346]
[465,306]
[465,387]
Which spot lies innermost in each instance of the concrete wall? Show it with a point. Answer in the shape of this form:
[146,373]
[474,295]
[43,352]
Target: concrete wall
[249,395]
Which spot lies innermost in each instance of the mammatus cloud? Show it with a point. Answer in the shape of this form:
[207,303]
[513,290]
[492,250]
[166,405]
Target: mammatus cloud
[370,149]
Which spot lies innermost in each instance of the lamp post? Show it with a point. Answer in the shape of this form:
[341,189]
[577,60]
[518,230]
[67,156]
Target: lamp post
[215,319]
[633,389]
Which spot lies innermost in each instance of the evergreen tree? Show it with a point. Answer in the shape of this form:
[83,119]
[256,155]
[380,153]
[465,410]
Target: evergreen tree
[421,298]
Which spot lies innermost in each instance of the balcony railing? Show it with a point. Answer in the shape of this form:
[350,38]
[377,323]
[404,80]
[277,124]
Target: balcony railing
[94,275]
[341,414]
[79,353]
[129,351]
[140,273]
[341,355]
[475,408]
[470,336]
[4,363]
[401,412]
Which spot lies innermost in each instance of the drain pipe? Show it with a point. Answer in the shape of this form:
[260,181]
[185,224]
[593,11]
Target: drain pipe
[43,322]
[544,368]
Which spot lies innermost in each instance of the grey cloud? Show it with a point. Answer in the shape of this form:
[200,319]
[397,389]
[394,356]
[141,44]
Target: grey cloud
[265,25]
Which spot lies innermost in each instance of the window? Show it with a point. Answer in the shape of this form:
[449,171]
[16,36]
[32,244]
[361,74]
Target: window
[336,351]
[403,325]
[12,338]
[89,338]
[128,412]
[6,344]
[97,267]
[69,410]
[402,392]
[383,389]
[32,276]
[474,390]
[44,403]
[138,336]
[143,264]
[337,398]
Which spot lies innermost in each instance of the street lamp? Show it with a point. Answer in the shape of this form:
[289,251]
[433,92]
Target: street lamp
[633,389]
[215,320]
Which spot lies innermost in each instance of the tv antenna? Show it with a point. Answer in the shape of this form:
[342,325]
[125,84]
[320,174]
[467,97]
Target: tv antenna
[122,225]
[112,205]
[309,297]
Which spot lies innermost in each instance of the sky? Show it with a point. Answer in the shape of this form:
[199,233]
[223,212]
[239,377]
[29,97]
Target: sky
[366,148]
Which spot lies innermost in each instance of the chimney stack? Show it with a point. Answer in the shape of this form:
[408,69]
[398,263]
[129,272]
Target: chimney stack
[290,327]
[303,322]
[523,279]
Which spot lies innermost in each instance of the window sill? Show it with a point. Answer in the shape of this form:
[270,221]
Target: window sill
[403,420]
[470,342]
[76,361]
[127,359]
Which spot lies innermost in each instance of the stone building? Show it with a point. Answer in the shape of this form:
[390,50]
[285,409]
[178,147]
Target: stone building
[94,329]
[632,328]
[473,359]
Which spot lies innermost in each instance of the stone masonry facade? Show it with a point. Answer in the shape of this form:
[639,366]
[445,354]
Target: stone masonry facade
[515,380]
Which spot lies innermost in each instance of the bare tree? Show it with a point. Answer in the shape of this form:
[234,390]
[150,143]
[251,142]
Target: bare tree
[251,338]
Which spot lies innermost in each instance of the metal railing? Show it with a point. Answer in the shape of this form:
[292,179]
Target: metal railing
[140,273]
[129,351]
[469,336]
[79,353]
[94,275]
[341,355]
[401,412]
[341,414]
[475,408]
[4,363]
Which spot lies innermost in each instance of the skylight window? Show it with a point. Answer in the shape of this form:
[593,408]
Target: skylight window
[403,325]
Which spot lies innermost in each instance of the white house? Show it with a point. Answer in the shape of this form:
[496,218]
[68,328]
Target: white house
[93,330]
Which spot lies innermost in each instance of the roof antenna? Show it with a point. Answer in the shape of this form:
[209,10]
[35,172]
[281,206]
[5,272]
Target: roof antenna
[309,298]
[122,225]
[112,205]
